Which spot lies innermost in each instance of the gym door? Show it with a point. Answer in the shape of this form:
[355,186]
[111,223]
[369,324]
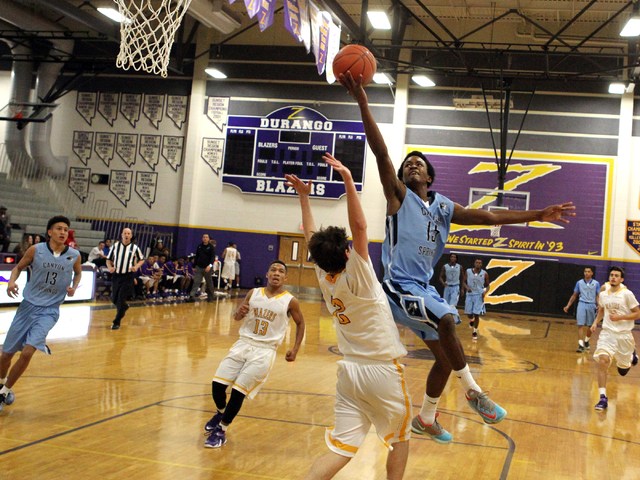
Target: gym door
[300,270]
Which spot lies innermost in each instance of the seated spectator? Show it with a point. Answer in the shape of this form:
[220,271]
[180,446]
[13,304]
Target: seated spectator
[160,249]
[97,256]
[173,279]
[150,280]
[5,229]
[71,239]
[185,281]
[21,248]
[107,247]
[37,238]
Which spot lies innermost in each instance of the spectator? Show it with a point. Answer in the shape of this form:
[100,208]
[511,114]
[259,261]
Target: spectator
[37,238]
[5,229]
[107,246]
[97,256]
[160,249]
[23,246]
[203,266]
[71,240]
[148,278]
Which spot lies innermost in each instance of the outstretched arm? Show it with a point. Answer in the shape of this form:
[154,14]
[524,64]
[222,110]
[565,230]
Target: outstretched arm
[357,220]
[478,216]
[394,189]
[304,190]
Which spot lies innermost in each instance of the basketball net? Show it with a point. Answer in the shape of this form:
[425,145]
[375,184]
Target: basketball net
[494,231]
[146,34]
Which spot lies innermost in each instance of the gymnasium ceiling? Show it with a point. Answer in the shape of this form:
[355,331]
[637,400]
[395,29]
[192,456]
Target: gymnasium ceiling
[565,40]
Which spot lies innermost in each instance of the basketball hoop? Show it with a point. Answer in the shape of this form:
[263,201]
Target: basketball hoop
[146,34]
[494,231]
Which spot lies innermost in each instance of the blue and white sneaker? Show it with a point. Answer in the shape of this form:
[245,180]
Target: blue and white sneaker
[489,410]
[217,438]
[211,425]
[435,430]
[6,399]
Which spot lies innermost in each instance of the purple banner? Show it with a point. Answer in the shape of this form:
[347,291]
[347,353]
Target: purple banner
[265,13]
[292,18]
[323,42]
[252,7]
[545,182]
[259,151]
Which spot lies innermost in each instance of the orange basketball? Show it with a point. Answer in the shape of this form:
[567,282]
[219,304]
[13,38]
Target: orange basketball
[357,60]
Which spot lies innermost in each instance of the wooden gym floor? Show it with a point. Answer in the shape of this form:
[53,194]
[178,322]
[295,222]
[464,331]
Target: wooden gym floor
[132,403]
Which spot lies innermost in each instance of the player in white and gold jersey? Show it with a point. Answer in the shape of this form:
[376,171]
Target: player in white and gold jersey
[264,313]
[371,388]
[618,308]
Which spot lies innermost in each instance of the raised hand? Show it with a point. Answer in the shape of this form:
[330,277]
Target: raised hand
[558,213]
[337,165]
[299,186]
[353,85]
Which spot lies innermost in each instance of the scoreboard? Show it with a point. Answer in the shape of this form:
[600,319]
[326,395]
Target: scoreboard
[259,151]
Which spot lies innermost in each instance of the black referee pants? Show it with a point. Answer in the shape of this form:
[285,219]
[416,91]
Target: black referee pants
[121,291]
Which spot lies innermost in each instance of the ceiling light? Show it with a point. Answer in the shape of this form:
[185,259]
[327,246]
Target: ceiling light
[215,73]
[112,13]
[631,28]
[379,20]
[382,79]
[617,88]
[423,81]
[214,14]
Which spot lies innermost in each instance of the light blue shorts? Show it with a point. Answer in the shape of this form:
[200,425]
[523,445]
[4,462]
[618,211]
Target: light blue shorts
[473,304]
[586,314]
[30,326]
[451,294]
[418,307]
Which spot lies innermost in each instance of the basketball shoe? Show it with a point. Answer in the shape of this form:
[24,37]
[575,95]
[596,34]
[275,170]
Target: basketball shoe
[217,438]
[211,425]
[490,411]
[435,430]
[634,358]
[6,399]
[602,404]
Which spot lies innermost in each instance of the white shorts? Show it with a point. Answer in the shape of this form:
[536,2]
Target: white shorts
[246,366]
[229,270]
[369,392]
[616,345]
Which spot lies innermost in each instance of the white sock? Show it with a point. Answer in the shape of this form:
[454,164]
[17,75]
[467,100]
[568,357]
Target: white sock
[581,343]
[3,380]
[467,379]
[603,391]
[221,410]
[586,339]
[223,427]
[4,390]
[475,330]
[428,410]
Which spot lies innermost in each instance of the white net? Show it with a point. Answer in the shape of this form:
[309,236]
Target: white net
[494,231]
[147,32]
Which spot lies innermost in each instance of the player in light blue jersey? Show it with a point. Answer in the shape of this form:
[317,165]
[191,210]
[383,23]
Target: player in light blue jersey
[450,275]
[417,226]
[586,292]
[476,283]
[55,273]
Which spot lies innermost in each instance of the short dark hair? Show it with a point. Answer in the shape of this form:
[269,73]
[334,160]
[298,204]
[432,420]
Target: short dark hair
[617,269]
[279,262]
[57,219]
[453,255]
[430,170]
[327,247]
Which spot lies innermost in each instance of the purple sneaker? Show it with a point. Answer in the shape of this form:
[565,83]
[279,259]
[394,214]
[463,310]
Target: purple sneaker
[602,404]
[211,425]
[217,438]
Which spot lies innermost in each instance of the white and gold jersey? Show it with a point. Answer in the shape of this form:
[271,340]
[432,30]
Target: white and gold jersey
[267,320]
[619,303]
[361,312]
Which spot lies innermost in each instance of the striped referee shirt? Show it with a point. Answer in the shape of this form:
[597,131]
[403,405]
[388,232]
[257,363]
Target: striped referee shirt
[124,256]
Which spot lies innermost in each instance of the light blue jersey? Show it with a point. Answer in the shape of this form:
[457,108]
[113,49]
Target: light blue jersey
[587,291]
[452,274]
[50,275]
[415,238]
[475,281]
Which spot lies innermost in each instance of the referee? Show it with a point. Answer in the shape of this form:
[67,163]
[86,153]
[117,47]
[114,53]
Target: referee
[124,259]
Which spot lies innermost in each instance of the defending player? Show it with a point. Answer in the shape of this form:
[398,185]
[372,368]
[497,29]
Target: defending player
[53,265]
[370,387]
[264,313]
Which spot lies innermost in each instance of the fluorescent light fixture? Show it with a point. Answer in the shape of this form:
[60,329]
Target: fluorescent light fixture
[423,81]
[379,20]
[617,88]
[213,14]
[215,73]
[382,79]
[112,13]
[631,28]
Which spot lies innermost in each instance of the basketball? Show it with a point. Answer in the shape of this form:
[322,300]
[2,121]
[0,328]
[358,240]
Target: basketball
[355,59]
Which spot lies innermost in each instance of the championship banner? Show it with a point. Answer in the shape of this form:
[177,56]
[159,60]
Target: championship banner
[292,18]
[315,20]
[305,26]
[259,151]
[265,13]
[534,181]
[633,235]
